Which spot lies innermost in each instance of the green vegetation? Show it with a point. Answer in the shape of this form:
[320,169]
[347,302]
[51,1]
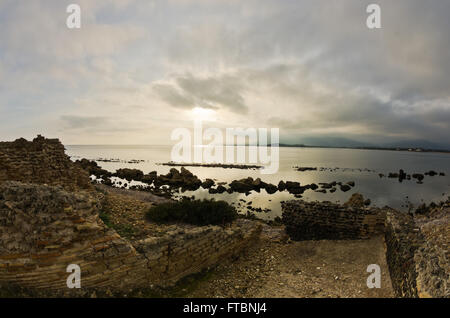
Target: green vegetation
[195,212]
[124,230]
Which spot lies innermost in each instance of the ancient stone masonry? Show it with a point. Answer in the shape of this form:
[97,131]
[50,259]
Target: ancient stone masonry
[43,229]
[417,257]
[417,249]
[433,258]
[321,221]
[402,241]
[40,161]
[186,251]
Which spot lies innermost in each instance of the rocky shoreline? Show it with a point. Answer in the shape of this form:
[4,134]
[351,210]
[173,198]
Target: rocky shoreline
[185,180]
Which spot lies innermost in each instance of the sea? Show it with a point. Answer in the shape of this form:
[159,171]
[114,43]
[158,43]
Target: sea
[361,166]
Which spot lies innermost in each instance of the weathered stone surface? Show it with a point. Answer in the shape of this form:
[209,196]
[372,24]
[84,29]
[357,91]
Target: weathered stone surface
[41,161]
[402,241]
[325,220]
[417,248]
[44,228]
[356,201]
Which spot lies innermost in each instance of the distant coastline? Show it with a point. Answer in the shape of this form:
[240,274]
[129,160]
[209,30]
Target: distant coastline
[409,149]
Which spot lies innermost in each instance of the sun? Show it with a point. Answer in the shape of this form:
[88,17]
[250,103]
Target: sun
[199,113]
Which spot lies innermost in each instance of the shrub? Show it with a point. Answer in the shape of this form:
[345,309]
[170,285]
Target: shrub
[195,212]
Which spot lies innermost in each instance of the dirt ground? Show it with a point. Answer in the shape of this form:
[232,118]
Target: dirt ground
[274,267]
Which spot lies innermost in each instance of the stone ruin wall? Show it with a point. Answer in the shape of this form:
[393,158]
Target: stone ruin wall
[43,229]
[418,267]
[41,161]
[48,221]
[329,221]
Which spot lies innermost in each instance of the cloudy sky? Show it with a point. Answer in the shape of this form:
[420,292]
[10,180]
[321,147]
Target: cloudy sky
[137,69]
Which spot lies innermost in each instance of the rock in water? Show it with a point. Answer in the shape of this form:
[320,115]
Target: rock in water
[270,188]
[208,183]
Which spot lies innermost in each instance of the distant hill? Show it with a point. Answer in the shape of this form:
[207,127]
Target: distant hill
[338,142]
[418,144]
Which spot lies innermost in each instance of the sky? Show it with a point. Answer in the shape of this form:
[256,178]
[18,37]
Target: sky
[136,70]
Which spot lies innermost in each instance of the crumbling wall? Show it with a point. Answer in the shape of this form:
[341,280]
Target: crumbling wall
[418,254]
[402,241]
[186,251]
[325,220]
[41,161]
[43,229]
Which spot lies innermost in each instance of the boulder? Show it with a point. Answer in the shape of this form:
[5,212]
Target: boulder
[281,186]
[292,185]
[431,173]
[221,189]
[326,185]
[129,174]
[208,183]
[257,183]
[212,190]
[271,188]
[242,186]
[149,178]
[401,175]
[93,168]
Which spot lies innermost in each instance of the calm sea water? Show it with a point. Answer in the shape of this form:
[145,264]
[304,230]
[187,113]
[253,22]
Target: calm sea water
[381,191]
